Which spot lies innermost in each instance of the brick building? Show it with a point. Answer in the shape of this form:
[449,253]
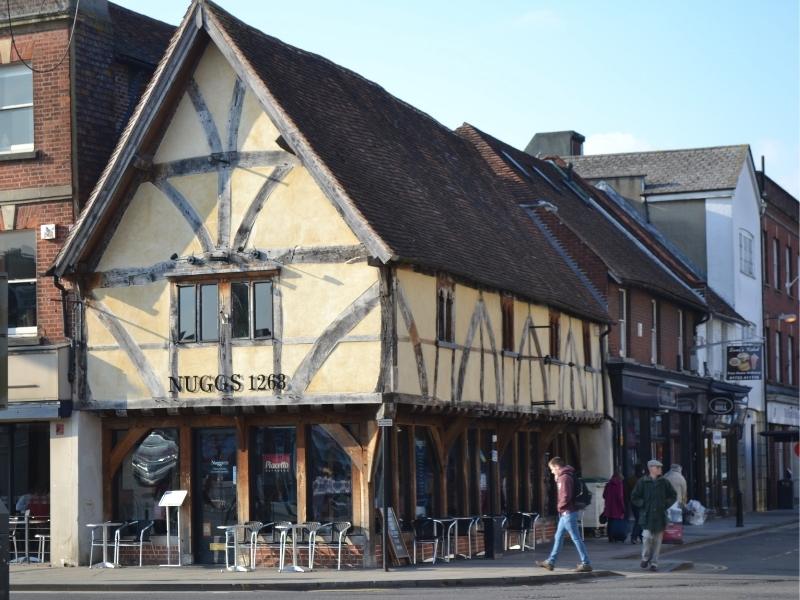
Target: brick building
[67,87]
[780,244]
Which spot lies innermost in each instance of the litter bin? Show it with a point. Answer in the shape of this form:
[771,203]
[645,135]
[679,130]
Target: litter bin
[493,539]
[785,493]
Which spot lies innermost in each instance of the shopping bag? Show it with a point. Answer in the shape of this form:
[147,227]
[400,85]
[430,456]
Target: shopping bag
[673,534]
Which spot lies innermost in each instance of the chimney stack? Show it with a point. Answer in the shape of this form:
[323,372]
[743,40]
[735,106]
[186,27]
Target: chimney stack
[556,143]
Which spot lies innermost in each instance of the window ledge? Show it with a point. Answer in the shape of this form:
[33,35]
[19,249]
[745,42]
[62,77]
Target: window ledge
[510,354]
[24,155]
[444,344]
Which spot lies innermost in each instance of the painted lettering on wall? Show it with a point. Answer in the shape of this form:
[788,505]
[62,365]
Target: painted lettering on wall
[226,384]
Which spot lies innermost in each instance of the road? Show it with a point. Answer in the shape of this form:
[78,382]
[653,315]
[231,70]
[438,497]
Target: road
[760,565]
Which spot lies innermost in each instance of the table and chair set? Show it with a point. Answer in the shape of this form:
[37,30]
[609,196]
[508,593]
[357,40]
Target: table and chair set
[442,534]
[24,529]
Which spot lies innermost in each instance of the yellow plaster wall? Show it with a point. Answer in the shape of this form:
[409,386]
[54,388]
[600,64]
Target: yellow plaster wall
[201,193]
[256,130]
[194,360]
[96,332]
[298,214]
[150,216]
[351,367]
[215,79]
[420,294]
[314,294]
[184,137]
[140,309]
[465,299]
[245,184]
[252,360]
[112,376]
[407,376]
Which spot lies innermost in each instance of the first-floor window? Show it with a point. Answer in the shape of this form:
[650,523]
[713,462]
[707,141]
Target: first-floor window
[18,260]
[198,312]
[746,252]
[16,108]
[251,303]
[622,307]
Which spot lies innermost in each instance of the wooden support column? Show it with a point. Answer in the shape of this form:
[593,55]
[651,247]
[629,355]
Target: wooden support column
[463,452]
[185,474]
[108,479]
[369,452]
[242,470]
[516,473]
[396,472]
[301,474]
[441,465]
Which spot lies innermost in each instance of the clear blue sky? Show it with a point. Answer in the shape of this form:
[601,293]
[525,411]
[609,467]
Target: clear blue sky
[630,75]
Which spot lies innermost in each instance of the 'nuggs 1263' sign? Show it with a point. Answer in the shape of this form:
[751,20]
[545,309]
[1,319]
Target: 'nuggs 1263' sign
[193,384]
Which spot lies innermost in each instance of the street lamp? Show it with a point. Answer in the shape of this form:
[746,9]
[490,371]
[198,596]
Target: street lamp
[785,317]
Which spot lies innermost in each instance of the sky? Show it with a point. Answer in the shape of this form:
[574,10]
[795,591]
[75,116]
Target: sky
[629,75]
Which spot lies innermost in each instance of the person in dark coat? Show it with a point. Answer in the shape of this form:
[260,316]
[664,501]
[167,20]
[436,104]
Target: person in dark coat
[630,483]
[614,511]
[653,495]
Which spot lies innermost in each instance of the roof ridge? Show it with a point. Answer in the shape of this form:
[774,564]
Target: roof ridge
[669,150]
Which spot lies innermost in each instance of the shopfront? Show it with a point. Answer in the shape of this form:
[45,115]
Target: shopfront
[680,419]
[783,448]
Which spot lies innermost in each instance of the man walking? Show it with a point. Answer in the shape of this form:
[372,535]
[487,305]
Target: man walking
[676,478]
[653,495]
[568,516]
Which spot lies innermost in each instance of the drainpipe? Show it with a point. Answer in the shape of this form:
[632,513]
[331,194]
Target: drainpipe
[603,373]
[71,357]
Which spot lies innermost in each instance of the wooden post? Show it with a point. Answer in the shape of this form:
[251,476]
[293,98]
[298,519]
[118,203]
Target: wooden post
[108,478]
[395,470]
[185,474]
[369,451]
[243,470]
[466,499]
[302,475]
[515,471]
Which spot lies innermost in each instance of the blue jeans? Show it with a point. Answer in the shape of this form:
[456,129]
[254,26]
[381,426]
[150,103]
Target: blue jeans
[568,523]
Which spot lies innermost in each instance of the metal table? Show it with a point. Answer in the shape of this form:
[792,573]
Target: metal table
[234,531]
[295,529]
[473,522]
[27,521]
[447,524]
[105,564]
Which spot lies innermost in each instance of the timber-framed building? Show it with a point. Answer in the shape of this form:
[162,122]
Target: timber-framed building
[278,253]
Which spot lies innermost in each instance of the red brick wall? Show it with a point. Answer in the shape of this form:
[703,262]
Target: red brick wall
[777,299]
[51,115]
[52,166]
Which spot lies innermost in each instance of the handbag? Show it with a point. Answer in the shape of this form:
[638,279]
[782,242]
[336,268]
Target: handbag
[603,518]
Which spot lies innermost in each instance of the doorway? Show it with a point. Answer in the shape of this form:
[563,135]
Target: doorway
[214,492]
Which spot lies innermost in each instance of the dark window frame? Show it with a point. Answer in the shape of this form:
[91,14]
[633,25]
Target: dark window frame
[507,310]
[252,309]
[555,334]
[445,301]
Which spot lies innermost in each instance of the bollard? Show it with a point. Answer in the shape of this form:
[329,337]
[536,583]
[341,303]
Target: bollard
[739,510]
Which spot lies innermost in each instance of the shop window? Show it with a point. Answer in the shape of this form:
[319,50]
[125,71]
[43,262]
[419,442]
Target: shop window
[427,474]
[273,483]
[18,256]
[404,474]
[534,474]
[506,480]
[622,321]
[507,307]
[485,457]
[555,334]
[251,307]
[522,479]
[746,252]
[25,468]
[657,436]
[331,477]
[455,478]
[444,311]
[473,464]
[16,109]
[149,470]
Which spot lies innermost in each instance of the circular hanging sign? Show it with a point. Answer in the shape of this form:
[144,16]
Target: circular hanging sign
[720,406]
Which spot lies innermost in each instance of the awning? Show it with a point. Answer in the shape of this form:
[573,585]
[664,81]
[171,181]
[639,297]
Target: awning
[783,436]
[35,411]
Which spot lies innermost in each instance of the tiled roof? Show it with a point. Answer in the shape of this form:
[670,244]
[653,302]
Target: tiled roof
[114,60]
[669,171]
[622,255]
[719,306]
[425,192]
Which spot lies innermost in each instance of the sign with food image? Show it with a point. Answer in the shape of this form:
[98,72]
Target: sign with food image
[744,362]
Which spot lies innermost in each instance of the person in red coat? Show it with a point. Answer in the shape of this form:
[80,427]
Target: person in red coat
[614,511]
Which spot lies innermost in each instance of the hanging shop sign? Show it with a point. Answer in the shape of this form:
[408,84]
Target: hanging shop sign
[743,362]
[721,406]
[227,383]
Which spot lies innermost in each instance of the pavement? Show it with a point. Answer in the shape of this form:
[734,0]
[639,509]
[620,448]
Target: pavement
[515,568]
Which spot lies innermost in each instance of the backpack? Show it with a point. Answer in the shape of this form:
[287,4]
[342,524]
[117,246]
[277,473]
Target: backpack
[581,496]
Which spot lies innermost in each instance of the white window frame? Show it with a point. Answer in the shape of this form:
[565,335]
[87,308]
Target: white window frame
[746,252]
[654,332]
[778,374]
[30,330]
[622,298]
[5,70]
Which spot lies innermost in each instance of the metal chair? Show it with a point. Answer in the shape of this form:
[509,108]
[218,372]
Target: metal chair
[237,537]
[12,538]
[465,527]
[521,523]
[44,539]
[337,532]
[134,534]
[426,531]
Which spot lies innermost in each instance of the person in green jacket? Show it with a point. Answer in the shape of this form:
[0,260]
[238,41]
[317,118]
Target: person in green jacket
[653,495]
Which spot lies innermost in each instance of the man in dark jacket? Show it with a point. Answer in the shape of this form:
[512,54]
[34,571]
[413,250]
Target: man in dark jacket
[653,495]
[568,516]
